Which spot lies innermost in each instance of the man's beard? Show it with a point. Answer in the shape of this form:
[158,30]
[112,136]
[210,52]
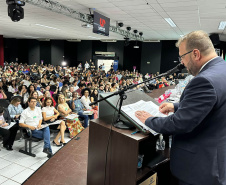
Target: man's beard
[191,68]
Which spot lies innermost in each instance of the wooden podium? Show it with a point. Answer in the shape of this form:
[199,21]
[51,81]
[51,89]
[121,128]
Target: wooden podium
[122,156]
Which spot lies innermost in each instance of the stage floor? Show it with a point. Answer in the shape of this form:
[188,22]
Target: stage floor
[67,166]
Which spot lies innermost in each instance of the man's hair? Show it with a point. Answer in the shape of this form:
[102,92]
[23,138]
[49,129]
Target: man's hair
[31,98]
[197,40]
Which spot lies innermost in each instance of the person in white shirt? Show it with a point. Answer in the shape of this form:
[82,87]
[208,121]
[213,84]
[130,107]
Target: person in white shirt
[50,115]
[31,118]
[86,65]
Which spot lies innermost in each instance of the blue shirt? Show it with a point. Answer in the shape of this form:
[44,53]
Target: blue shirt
[78,105]
[13,110]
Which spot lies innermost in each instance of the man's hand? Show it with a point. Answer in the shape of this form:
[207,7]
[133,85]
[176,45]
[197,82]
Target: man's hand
[5,124]
[52,120]
[17,116]
[142,115]
[39,126]
[165,108]
[32,127]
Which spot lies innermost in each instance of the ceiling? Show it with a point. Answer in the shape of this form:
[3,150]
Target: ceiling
[146,16]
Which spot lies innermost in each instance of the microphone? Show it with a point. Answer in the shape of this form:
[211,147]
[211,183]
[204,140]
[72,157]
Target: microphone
[179,67]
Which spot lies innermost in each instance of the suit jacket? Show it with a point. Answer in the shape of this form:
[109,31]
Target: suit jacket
[198,126]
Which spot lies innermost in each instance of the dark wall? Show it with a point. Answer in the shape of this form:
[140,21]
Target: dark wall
[84,51]
[23,51]
[151,52]
[10,50]
[33,52]
[160,55]
[169,54]
[132,56]
[57,52]
[118,48]
[45,52]
[70,53]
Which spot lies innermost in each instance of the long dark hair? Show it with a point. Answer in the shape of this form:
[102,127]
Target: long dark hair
[46,99]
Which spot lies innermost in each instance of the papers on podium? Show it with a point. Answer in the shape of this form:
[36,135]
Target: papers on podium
[9,126]
[141,105]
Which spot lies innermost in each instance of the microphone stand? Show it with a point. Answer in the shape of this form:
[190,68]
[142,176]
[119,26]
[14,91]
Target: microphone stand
[120,123]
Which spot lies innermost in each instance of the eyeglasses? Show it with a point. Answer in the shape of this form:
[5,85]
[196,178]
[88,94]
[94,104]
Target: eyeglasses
[180,57]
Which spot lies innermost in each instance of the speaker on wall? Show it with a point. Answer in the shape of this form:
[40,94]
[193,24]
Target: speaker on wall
[215,38]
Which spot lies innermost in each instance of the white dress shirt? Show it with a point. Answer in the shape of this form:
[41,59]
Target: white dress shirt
[31,117]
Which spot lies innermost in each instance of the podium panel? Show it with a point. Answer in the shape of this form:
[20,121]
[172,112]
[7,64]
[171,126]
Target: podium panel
[122,156]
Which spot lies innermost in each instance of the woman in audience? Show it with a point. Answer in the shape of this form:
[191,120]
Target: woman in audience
[47,94]
[63,107]
[73,124]
[35,95]
[113,87]
[107,88]
[8,135]
[44,79]
[15,109]
[27,81]
[94,97]
[50,114]
[2,94]
[13,88]
[65,91]
[86,101]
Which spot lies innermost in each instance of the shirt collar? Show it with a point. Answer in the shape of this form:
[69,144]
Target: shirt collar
[207,63]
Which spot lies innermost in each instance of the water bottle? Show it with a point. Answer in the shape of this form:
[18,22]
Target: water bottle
[160,144]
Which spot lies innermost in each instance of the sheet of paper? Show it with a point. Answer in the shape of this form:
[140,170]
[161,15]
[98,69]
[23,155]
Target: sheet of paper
[9,126]
[141,105]
[87,112]
[57,122]
[71,116]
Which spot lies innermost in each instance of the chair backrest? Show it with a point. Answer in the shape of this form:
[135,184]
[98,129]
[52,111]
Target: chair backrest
[9,95]
[4,103]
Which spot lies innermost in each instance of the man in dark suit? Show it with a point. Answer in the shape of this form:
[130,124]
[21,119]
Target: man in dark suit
[198,125]
[10,134]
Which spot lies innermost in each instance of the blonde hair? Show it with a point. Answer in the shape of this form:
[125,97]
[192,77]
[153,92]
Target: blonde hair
[59,98]
[197,40]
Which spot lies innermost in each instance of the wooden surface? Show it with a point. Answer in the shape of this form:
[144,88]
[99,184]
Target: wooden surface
[67,167]
[122,155]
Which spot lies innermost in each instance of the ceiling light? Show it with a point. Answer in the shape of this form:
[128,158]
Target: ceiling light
[47,26]
[181,35]
[222,25]
[170,21]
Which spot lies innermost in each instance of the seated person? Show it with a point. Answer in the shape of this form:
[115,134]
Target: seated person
[47,94]
[31,118]
[86,101]
[8,135]
[50,114]
[2,94]
[15,109]
[63,107]
[78,108]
